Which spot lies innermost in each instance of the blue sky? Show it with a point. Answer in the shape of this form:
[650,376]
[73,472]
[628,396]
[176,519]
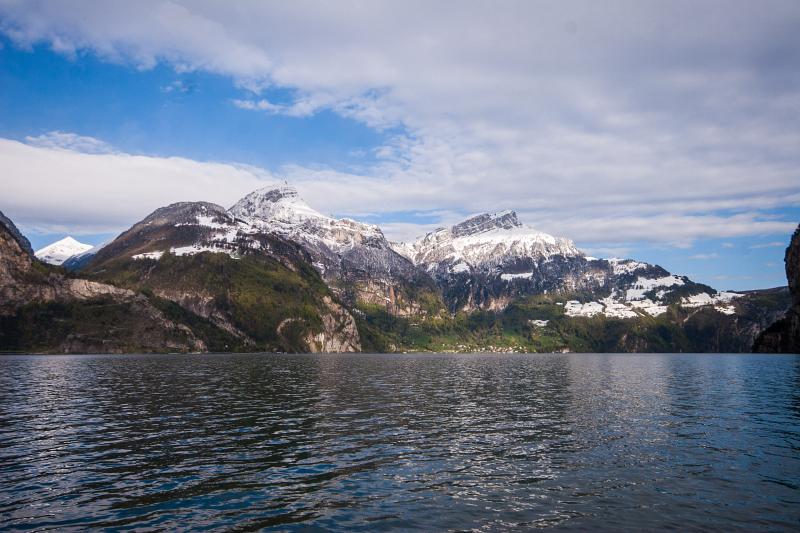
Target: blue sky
[662,132]
[160,112]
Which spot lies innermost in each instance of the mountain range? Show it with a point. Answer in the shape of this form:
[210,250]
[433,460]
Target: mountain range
[273,274]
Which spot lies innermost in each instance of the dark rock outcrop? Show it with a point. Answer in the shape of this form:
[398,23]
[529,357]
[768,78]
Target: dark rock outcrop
[784,335]
[23,242]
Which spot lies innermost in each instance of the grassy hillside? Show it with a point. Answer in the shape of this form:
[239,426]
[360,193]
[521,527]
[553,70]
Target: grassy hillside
[264,304]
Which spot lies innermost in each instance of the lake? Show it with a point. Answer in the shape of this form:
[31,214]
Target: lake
[408,442]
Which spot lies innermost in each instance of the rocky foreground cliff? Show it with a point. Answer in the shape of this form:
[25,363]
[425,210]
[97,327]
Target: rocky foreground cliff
[784,335]
[202,302]
[41,309]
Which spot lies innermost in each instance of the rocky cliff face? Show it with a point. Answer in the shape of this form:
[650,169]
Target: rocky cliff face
[339,332]
[784,335]
[9,226]
[43,310]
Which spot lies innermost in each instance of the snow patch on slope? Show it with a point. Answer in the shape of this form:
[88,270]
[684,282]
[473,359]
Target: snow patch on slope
[148,255]
[643,285]
[626,266]
[632,301]
[509,277]
[722,301]
[576,308]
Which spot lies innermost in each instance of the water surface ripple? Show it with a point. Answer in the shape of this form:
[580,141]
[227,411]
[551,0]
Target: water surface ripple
[410,442]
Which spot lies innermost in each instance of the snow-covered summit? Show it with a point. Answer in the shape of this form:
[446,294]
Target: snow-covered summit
[59,251]
[280,204]
[488,240]
[281,209]
[339,248]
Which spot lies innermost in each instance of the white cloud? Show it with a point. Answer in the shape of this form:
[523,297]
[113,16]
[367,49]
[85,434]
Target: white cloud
[606,123]
[60,190]
[57,188]
[300,108]
[407,231]
[725,277]
[177,86]
[70,141]
[704,257]
[608,251]
[773,244]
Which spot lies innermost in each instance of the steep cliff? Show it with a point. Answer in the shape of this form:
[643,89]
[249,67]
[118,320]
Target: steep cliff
[9,226]
[42,310]
[784,335]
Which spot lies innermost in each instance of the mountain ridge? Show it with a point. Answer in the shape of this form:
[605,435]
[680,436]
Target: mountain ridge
[272,273]
[256,286]
[354,258]
[482,262]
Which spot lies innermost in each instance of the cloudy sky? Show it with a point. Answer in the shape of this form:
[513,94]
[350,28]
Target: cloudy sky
[664,131]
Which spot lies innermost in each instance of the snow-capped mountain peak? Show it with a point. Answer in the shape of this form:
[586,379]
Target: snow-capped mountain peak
[336,246]
[490,239]
[281,210]
[281,204]
[59,251]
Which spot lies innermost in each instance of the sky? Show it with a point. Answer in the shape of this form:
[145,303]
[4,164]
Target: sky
[667,132]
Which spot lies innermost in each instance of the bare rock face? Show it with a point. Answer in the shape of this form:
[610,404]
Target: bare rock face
[784,335]
[793,266]
[339,332]
[22,279]
[202,304]
[82,289]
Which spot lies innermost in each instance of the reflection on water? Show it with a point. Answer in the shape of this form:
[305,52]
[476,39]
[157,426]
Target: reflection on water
[428,442]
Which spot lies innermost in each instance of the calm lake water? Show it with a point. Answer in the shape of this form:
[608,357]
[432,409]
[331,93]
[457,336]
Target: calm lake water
[409,442]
